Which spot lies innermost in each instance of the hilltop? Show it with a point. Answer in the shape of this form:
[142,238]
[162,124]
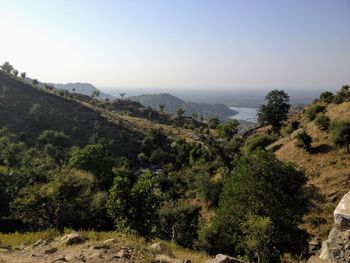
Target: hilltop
[172,103]
[82,88]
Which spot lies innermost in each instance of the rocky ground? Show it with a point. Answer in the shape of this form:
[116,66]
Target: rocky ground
[75,248]
[337,247]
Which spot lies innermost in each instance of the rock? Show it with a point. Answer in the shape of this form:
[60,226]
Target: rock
[109,241]
[22,246]
[38,243]
[71,239]
[220,258]
[123,253]
[50,250]
[167,259]
[5,247]
[314,245]
[342,213]
[100,246]
[59,259]
[315,259]
[162,249]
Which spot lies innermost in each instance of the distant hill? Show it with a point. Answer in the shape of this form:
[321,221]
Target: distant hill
[82,88]
[172,103]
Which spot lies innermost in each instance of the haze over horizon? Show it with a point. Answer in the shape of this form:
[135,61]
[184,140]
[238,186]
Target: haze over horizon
[180,44]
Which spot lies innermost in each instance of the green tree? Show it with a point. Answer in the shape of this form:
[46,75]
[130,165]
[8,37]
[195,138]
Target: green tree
[15,72]
[180,112]
[95,159]
[23,75]
[258,232]
[276,110]
[178,222]
[56,138]
[213,122]
[95,94]
[132,204]
[7,67]
[340,134]
[161,107]
[64,201]
[263,186]
[326,96]
[228,130]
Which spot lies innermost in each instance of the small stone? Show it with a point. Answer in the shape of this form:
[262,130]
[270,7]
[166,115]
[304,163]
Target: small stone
[162,249]
[22,246]
[110,241]
[71,239]
[123,253]
[50,250]
[59,259]
[38,243]
[101,246]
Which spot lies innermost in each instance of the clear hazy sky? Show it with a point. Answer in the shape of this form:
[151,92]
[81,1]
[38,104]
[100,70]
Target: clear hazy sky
[179,43]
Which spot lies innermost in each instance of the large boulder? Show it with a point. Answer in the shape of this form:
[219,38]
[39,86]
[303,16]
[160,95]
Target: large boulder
[342,213]
[337,247]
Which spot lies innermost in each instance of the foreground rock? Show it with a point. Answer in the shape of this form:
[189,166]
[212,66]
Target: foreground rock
[220,258]
[75,248]
[337,247]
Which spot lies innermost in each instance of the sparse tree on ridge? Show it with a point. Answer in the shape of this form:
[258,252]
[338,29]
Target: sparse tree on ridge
[122,94]
[276,110]
[15,72]
[96,93]
[23,75]
[180,112]
[161,107]
[7,67]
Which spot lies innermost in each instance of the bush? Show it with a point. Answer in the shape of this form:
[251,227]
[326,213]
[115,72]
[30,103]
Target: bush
[304,140]
[257,141]
[340,134]
[322,121]
[326,96]
[313,109]
[178,222]
[228,130]
[213,122]
[342,95]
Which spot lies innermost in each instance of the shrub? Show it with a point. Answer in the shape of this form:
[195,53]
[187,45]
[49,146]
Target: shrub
[304,140]
[340,134]
[262,193]
[228,130]
[178,222]
[322,121]
[326,96]
[213,122]
[257,141]
[313,109]
[342,95]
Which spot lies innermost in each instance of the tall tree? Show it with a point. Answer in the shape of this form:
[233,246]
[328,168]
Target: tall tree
[122,94]
[276,110]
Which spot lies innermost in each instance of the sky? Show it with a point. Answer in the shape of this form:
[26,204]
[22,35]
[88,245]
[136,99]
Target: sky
[179,43]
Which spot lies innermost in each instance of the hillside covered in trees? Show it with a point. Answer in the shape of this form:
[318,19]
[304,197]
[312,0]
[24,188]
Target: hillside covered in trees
[70,161]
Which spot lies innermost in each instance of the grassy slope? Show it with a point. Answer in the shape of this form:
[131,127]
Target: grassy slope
[327,168]
[24,108]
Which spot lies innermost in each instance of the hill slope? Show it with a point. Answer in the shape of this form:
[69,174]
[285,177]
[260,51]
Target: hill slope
[327,168]
[31,110]
[172,103]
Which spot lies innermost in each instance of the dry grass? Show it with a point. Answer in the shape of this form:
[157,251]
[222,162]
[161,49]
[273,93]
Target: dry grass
[327,169]
[17,238]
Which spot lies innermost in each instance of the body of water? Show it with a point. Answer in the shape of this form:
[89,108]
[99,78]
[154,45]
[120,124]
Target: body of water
[245,113]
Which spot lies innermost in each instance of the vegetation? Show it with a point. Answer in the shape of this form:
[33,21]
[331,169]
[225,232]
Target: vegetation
[276,110]
[327,96]
[313,110]
[242,218]
[340,134]
[304,140]
[257,141]
[81,164]
[322,121]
